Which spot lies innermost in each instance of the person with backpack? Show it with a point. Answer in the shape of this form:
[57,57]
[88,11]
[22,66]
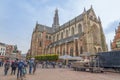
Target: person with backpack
[6,67]
[20,69]
[31,64]
[13,67]
[24,69]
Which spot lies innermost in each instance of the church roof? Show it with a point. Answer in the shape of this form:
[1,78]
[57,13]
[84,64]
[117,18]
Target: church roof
[2,44]
[68,39]
[67,24]
[72,21]
[42,28]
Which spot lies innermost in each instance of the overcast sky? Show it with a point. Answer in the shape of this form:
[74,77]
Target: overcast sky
[18,17]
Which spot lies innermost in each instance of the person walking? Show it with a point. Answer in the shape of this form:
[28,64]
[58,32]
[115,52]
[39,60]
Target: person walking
[20,70]
[13,67]
[35,66]
[6,67]
[24,69]
[31,64]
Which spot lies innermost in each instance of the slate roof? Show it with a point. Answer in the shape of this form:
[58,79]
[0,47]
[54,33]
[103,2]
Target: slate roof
[68,39]
[41,28]
[2,44]
[76,19]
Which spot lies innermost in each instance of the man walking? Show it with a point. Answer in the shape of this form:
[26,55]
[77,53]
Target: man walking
[31,64]
[20,69]
[6,67]
[13,67]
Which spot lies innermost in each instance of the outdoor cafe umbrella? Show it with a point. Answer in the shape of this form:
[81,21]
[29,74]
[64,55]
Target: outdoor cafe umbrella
[66,58]
[76,58]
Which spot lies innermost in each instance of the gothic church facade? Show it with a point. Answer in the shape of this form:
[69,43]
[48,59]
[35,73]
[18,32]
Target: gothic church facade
[83,34]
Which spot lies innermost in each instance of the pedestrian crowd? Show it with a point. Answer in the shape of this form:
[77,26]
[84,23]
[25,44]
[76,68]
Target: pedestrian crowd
[19,67]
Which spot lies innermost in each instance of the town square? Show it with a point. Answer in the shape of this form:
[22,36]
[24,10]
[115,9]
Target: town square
[61,73]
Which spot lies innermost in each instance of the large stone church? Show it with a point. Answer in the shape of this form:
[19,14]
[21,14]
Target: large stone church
[81,35]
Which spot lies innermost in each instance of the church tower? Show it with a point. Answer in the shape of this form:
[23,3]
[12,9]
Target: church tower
[55,20]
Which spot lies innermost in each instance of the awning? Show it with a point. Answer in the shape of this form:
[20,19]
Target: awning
[2,56]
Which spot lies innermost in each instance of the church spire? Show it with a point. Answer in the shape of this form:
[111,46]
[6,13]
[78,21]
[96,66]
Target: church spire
[91,7]
[55,20]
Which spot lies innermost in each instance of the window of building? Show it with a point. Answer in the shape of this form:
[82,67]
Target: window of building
[57,36]
[95,33]
[40,35]
[61,35]
[72,31]
[64,51]
[40,43]
[79,28]
[81,50]
[53,38]
[66,33]
[46,36]
[57,51]
[118,44]
[71,51]
[49,37]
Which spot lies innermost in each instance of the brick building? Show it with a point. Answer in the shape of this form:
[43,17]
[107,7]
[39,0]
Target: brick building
[115,45]
[11,50]
[83,34]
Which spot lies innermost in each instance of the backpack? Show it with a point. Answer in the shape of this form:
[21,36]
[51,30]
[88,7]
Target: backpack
[14,65]
[7,65]
[20,64]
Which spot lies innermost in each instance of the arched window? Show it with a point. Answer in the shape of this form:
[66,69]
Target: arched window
[61,35]
[40,35]
[66,33]
[95,34]
[72,31]
[95,50]
[57,36]
[40,43]
[99,50]
[49,37]
[71,51]
[53,38]
[79,28]
[46,36]
[57,51]
[81,50]
[64,51]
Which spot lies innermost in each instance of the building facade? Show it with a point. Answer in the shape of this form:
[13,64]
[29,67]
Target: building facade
[83,34]
[2,50]
[115,45]
[12,51]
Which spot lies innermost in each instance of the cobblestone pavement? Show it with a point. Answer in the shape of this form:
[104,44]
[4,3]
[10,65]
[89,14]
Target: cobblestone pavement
[63,74]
